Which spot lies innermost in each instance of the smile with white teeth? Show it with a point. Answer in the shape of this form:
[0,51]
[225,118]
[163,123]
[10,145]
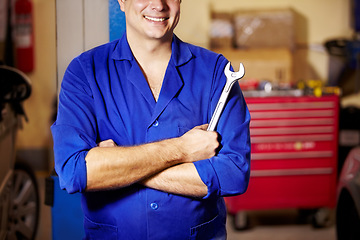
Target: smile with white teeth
[155,19]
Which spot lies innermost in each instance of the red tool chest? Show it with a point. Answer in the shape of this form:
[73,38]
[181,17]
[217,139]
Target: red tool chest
[294,142]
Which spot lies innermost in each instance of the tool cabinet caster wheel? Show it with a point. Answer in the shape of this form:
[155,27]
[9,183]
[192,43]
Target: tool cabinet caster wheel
[321,218]
[241,221]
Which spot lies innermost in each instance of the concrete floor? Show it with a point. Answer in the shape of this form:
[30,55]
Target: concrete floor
[279,225]
[267,225]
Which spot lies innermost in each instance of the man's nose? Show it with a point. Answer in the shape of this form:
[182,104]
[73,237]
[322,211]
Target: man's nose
[158,5]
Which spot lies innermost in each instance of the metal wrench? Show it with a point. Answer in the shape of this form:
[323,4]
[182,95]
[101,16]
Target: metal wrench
[231,78]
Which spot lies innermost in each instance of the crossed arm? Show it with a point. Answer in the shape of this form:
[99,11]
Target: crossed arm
[165,165]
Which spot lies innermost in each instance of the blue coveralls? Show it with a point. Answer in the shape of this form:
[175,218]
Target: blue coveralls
[104,95]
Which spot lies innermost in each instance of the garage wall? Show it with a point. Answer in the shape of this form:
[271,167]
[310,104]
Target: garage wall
[33,140]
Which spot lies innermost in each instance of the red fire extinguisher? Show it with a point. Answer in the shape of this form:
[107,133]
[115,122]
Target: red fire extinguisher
[24,35]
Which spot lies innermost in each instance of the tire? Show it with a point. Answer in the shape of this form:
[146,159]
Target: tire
[25,205]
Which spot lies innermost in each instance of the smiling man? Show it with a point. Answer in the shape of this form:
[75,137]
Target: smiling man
[131,136]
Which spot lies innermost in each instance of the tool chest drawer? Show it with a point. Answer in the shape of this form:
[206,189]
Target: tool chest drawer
[294,142]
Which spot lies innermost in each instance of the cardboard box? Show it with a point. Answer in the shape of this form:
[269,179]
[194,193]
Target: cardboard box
[273,65]
[221,30]
[267,28]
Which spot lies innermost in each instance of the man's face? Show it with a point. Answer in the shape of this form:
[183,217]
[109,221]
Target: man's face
[151,19]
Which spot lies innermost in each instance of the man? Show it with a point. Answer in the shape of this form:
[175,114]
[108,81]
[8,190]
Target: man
[131,133]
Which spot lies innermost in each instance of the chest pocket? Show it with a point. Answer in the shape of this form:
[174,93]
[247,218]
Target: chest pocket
[159,132]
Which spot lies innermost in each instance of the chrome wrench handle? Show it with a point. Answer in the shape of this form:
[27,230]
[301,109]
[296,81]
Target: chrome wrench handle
[231,78]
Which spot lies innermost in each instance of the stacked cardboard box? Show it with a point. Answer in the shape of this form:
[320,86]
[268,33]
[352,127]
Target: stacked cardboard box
[222,31]
[263,64]
[264,29]
[263,41]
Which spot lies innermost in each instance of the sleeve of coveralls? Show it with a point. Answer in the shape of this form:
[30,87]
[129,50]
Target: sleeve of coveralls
[228,172]
[74,132]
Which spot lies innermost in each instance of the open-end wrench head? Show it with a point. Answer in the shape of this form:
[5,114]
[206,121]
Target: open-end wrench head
[234,75]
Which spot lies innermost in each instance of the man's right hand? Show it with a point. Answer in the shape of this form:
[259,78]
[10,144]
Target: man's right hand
[199,144]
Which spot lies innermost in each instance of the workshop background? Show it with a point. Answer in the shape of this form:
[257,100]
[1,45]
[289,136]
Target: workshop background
[284,44]
[315,22]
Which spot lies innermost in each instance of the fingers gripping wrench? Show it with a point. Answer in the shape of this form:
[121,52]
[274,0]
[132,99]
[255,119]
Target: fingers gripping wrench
[232,77]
